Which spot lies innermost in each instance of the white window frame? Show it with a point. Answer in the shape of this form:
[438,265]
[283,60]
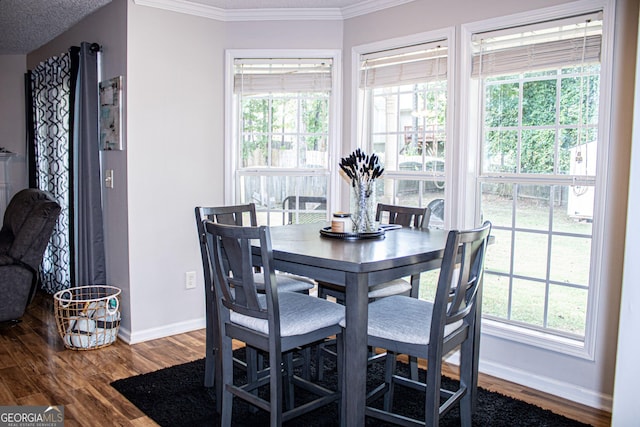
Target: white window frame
[335,123]
[470,143]
[448,34]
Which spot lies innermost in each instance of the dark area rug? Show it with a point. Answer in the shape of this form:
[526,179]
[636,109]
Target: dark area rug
[176,396]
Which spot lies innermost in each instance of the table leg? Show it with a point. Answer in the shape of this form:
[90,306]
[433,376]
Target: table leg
[354,388]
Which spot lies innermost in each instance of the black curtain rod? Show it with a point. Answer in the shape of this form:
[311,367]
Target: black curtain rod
[95,47]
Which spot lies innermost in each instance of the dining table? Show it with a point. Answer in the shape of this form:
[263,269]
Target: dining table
[356,264]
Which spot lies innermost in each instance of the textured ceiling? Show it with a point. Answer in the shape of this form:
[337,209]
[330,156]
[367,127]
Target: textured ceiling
[25,25]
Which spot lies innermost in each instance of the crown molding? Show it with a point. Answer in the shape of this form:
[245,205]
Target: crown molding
[370,6]
[187,7]
[284,14]
[271,14]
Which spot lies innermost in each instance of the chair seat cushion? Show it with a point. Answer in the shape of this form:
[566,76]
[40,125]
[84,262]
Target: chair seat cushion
[286,282]
[394,287]
[404,319]
[299,314]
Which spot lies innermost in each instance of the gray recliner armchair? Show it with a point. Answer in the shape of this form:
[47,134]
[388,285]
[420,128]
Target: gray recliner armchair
[28,224]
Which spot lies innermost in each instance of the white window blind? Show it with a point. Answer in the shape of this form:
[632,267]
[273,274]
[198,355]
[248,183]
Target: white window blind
[266,75]
[413,64]
[571,41]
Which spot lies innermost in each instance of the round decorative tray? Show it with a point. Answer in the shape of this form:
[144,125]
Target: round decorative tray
[326,231]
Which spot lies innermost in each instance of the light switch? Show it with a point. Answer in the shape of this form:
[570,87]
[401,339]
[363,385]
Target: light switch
[108,178]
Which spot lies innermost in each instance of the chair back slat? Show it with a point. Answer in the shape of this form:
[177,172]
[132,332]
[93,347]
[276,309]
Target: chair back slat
[232,215]
[406,216]
[235,286]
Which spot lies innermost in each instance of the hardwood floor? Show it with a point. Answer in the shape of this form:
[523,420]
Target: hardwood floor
[36,369]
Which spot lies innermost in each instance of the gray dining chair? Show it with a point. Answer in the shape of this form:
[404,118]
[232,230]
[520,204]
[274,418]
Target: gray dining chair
[437,210]
[274,321]
[432,330]
[406,216]
[237,215]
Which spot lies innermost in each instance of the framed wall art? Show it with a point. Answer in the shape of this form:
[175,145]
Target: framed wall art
[111,114]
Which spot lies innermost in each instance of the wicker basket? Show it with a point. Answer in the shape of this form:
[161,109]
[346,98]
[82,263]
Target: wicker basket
[88,317]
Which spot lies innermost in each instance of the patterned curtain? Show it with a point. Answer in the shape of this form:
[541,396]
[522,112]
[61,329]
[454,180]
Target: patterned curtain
[65,160]
[51,109]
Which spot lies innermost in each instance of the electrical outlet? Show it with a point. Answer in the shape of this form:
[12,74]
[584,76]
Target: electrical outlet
[190,279]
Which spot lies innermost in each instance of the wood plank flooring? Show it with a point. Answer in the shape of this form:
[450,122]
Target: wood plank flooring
[36,369]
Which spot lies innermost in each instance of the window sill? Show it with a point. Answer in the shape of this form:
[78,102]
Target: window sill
[563,345]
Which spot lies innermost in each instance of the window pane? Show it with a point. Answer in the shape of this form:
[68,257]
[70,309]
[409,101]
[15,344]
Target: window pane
[283,153]
[528,302]
[567,309]
[386,146]
[251,190]
[314,152]
[497,203]
[579,96]
[407,189]
[500,151]
[315,119]
[530,251]
[502,105]
[532,208]
[570,259]
[578,159]
[539,103]
[537,153]
[495,295]
[570,105]
[254,132]
[575,214]
[498,258]
[254,150]
[284,113]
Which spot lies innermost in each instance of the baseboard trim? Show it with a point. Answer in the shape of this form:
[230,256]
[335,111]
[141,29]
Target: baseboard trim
[549,385]
[161,332]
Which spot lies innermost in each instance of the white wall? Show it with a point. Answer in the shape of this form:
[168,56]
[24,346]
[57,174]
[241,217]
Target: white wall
[12,118]
[626,411]
[284,35]
[585,381]
[175,161]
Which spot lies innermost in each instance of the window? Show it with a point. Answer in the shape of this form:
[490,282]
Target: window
[283,139]
[538,88]
[403,104]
